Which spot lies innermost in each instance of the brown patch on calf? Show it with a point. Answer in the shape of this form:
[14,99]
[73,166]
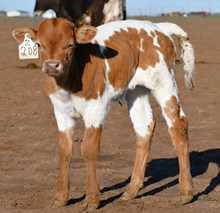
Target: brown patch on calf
[172,110]
[138,51]
[51,85]
[90,70]
[90,145]
[166,48]
[179,135]
[148,55]
[93,81]
[123,65]
[179,128]
[153,34]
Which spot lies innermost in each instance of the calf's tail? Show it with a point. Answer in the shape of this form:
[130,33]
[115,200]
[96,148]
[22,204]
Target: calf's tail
[187,55]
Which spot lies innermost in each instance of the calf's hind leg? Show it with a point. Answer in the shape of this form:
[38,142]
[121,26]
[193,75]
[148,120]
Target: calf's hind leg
[178,129]
[143,122]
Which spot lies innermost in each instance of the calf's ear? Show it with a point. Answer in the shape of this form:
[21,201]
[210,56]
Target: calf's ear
[85,33]
[19,33]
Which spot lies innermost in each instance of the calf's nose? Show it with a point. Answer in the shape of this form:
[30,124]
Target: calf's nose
[52,66]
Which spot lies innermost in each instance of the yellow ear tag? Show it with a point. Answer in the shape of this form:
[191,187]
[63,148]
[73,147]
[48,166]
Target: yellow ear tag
[28,49]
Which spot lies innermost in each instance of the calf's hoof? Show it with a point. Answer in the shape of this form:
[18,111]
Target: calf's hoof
[90,207]
[128,196]
[186,198]
[58,203]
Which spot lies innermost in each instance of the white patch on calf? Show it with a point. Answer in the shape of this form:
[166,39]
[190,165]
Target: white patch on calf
[64,109]
[141,45]
[140,110]
[64,121]
[107,30]
[160,81]
[155,41]
[96,111]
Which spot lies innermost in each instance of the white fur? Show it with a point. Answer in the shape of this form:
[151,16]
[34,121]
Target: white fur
[188,54]
[107,30]
[64,109]
[162,84]
[140,110]
[171,29]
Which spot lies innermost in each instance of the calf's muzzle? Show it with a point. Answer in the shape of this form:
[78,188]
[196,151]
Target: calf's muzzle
[52,67]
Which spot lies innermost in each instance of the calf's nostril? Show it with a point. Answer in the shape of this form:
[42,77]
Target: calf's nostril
[57,65]
[52,66]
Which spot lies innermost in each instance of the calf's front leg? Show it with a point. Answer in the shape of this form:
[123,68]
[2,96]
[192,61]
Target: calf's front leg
[63,182]
[90,150]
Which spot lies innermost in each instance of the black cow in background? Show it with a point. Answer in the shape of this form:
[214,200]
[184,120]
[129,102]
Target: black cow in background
[92,12]
[42,6]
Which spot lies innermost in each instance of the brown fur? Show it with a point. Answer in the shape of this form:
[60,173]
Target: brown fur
[50,85]
[167,49]
[48,40]
[141,158]
[143,59]
[180,139]
[123,70]
[93,71]
[63,182]
[149,56]
[90,150]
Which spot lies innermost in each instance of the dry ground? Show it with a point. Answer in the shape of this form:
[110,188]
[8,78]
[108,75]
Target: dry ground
[29,148]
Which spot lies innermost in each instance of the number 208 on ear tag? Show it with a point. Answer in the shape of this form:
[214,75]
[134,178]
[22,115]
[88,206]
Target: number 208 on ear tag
[28,49]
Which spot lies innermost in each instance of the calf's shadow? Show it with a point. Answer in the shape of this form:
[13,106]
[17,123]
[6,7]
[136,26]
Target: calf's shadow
[160,169]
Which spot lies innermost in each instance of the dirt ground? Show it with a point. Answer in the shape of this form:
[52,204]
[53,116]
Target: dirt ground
[29,159]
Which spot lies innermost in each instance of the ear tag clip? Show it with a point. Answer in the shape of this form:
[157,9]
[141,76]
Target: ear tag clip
[28,49]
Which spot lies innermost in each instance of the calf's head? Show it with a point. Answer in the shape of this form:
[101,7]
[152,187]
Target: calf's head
[56,39]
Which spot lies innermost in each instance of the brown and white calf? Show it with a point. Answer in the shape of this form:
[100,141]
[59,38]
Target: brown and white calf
[88,67]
